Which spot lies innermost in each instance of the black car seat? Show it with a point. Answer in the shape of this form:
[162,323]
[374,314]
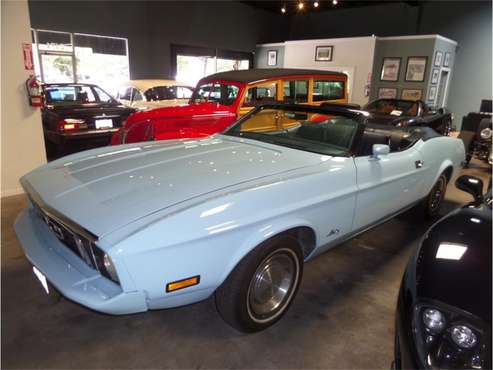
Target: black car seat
[369,138]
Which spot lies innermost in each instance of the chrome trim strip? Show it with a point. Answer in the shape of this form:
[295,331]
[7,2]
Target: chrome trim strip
[53,213]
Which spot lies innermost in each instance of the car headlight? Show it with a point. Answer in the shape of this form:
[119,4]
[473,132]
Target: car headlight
[105,264]
[486,133]
[447,338]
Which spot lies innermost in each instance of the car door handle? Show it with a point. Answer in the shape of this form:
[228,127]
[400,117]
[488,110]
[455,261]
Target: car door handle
[418,164]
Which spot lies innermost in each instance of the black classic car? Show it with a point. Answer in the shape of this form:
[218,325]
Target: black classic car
[79,116]
[443,318]
[400,113]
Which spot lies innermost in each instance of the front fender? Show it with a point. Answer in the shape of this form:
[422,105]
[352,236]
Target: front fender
[262,233]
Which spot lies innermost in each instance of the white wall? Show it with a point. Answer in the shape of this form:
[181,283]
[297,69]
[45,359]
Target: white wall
[353,55]
[21,130]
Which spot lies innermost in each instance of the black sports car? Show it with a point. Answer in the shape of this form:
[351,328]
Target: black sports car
[79,116]
[399,113]
[443,318]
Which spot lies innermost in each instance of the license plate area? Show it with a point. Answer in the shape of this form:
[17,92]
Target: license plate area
[104,123]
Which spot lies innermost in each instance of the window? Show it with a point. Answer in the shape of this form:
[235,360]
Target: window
[69,95]
[136,95]
[125,93]
[214,92]
[161,93]
[183,92]
[72,57]
[328,90]
[261,94]
[295,91]
[393,107]
[103,96]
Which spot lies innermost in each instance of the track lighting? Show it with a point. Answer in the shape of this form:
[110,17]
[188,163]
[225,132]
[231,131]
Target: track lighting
[334,2]
[315,4]
[301,5]
[283,10]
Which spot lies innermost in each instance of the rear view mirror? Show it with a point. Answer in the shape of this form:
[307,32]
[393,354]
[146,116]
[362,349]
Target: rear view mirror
[379,150]
[471,185]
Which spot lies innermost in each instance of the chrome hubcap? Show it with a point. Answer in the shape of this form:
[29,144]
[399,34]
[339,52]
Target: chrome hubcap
[272,285]
[437,195]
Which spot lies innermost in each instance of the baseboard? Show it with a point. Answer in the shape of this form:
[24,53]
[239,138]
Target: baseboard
[11,192]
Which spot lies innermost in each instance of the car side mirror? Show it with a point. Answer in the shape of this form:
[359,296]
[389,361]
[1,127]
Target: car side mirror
[441,111]
[471,185]
[379,150]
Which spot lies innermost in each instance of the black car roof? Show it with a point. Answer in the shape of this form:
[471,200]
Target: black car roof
[252,75]
[69,84]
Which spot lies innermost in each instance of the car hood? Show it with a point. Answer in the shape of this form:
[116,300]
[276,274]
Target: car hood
[465,281]
[105,189]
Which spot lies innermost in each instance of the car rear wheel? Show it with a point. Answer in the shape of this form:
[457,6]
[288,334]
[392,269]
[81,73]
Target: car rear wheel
[262,286]
[432,203]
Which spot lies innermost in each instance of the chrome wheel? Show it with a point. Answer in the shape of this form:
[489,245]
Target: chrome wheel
[437,194]
[272,285]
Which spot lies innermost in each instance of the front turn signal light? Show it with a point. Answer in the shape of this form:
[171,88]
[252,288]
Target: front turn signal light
[184,283]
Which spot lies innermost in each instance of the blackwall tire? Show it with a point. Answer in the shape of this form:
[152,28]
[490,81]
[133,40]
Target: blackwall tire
[434,200]
[260,289]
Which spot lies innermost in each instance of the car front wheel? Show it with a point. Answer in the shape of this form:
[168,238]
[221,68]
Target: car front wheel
[262,286]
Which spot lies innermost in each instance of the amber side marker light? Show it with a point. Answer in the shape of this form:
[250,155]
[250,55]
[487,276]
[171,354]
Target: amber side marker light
[184,283]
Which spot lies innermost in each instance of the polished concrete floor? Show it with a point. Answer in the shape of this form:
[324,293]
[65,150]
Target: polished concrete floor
[342,317]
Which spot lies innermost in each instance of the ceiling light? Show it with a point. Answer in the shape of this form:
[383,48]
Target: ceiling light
[283,9]
[334,2]
[301,5]
[315,4]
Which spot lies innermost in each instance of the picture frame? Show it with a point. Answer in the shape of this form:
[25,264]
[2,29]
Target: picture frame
[435,74]
[432,93]
[416,69]
[446,60]
[387,93]
[272,58]
[411,94]
[390,69]
[324,53]
[438,59]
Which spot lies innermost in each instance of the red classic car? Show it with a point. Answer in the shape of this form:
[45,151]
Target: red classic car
[221,98]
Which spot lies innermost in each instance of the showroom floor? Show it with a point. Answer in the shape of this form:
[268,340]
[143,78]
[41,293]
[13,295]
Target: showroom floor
[342,317]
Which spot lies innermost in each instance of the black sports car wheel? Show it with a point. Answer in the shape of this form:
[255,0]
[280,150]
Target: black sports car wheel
[262,286]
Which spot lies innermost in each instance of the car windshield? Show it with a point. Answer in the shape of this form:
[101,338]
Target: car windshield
[393,107]
[308,130]
[73,95]
[224,94]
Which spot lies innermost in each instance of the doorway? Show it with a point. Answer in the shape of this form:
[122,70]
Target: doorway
[442,88]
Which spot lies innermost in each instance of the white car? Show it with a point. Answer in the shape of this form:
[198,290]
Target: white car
[163,224]
[150,94]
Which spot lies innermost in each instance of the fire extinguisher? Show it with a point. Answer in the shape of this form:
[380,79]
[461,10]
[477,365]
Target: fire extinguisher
[34,92]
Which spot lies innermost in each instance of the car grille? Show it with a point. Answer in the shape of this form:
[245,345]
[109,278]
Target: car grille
[77,243]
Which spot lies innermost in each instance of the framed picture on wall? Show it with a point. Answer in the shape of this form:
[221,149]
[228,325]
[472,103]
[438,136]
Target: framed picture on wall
[411,94]
[438,59]
[434,75]
[416,68]
[432,93]
[387,93]
[272,58]
[324,53]
[390,69]
[446,61]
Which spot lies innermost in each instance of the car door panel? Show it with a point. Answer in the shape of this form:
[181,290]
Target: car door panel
[386,185]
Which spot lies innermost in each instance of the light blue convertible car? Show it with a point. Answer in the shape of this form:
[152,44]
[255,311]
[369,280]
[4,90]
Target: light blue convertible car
[162,224]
